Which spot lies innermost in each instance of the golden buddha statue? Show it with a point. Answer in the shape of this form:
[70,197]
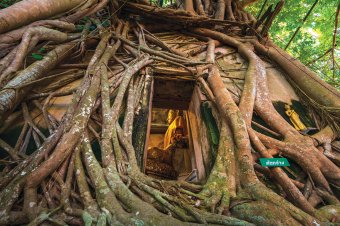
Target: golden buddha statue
[175,131]
[294,118]
[174,158]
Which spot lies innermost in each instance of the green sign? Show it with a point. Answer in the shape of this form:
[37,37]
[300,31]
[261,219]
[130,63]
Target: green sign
[274,162]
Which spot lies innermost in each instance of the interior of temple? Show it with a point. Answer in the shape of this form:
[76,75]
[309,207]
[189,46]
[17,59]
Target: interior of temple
[168,154]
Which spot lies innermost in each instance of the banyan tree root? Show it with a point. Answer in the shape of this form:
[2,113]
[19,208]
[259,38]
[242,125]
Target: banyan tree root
[29,40]
[66,179]
[256,96]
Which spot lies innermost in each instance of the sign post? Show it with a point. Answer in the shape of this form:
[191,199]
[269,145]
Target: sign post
[274,162]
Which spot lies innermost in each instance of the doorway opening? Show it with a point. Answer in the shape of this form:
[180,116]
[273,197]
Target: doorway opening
[169,152]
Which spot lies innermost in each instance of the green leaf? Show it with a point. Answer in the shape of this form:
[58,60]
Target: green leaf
[106,23]
[42,50]
[93,27]
[79,27]
[37,56]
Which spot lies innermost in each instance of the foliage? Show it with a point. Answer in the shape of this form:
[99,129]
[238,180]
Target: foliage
[314,38]
[163,3]
[6,3]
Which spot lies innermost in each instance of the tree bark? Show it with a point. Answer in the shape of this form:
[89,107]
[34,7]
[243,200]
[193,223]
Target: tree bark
[12,94]
[17,15]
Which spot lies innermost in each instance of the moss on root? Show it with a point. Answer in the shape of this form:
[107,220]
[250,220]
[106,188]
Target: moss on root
[263,213]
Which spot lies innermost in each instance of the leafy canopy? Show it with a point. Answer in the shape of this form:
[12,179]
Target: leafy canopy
[315,37]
